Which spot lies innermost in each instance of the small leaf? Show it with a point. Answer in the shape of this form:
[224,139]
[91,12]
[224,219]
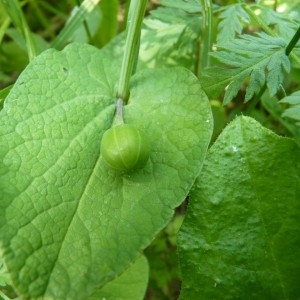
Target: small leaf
[190,6]
[292,112]
[233,17]
[273,106]
[257,80]
[287,22]
[293,99]
[260,57]
[232,90]
[241,236]
[109,22]
[169,38]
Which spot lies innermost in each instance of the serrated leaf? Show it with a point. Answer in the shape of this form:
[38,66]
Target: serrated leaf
[261,58]
[240,238]
[190,6]
[165,40]
[292,112]
[257,80]
[287,22]
[273,106]
[169,38]
[233,17]
[67,224]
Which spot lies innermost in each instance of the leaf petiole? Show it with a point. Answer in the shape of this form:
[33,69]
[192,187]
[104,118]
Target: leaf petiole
[119,111]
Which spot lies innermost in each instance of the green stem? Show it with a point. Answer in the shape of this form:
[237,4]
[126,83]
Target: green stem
[119,112]
[14,11]
[205,42]
[75,21]
[258,20]
[85,24]
[2,295]
[134,24]
[293,42]
[206,32]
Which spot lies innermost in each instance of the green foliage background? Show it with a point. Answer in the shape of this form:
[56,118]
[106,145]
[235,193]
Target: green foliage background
[248,71]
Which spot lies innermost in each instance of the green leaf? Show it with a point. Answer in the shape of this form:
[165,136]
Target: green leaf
[287,23]
[68,225]
[233,17]
[16,36]
[109,23]
[169,38]
[75,21]
[14,10]
[131,285]
[3,94]
[276,110]
[190,6]
[88,28]
[241,236]
[292,112]
[261,58]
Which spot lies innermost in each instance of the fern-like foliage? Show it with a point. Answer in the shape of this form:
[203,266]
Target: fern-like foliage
[293,111]
[259,58]
[189,6]
[169,37]
[233,17]
[285,24]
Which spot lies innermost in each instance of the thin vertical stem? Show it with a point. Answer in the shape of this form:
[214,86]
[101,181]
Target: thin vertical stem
[293,42]
[205,44]
[119,112]
[207,32]
[14,11]
[134,24]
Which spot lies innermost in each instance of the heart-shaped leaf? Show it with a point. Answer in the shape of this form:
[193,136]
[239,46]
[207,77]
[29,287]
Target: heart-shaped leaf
[68,224]
[241,236]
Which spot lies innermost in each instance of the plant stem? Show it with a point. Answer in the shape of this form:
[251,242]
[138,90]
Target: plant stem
[75,21]
[205,42]
[293,42]
[14,11]
[258,20]
[119,112]
[85,24]
[206,32]
[135,19]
